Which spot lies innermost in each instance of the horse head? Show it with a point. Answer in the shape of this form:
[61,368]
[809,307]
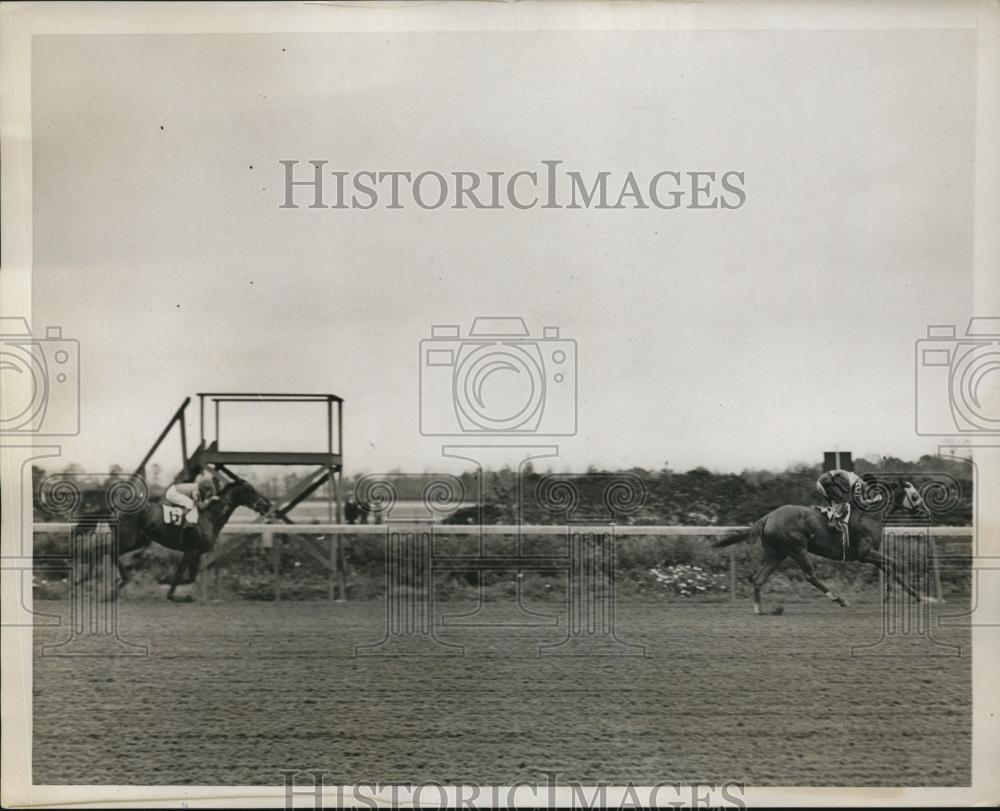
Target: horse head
[909,499]
[886,496]
[242,494]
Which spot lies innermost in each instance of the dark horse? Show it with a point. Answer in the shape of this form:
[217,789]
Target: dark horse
[793,532]
[137,530]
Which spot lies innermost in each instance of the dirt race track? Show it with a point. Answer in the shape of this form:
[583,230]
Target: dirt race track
[232,693]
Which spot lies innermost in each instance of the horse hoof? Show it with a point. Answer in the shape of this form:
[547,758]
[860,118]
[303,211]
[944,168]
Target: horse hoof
[183,598]
[778,610]
[843,603]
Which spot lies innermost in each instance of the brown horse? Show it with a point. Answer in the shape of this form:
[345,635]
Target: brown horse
[138,529]
[793,532]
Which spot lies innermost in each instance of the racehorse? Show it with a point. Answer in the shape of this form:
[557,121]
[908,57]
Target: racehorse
[137,530]
[793,531]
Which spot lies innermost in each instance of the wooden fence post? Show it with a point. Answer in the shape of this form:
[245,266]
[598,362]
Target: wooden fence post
[341,570]
[937,566]
[331,569]
[268,534]
[732,574]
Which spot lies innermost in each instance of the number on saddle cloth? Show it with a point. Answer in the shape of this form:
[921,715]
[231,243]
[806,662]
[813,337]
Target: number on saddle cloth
[173,515]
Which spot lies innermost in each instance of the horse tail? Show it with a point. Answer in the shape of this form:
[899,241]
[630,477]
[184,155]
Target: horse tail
[89,525]
[86,523]
[757,530]
[752,534]
[81,527]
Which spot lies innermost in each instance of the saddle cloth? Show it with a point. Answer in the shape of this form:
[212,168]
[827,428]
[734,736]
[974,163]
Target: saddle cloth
[173,515]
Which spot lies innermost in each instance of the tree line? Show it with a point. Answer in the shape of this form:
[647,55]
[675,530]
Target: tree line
[697,497]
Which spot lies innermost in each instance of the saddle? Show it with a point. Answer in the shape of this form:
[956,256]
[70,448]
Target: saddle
[829,512]
[839,518]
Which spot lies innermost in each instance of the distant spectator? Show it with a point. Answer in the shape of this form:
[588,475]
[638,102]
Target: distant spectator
[352,511]
[365,510]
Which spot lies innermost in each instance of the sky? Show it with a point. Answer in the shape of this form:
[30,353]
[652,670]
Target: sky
[747,338]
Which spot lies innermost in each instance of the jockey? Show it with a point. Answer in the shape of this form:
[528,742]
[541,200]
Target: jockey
[199,492]
[840,488]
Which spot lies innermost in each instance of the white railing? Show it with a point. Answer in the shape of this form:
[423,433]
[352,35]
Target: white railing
[330,556]
[509,529]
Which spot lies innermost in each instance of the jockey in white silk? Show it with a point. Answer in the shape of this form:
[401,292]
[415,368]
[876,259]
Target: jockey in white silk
[199,492]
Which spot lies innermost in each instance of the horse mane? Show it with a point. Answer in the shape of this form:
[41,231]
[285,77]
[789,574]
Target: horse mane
[892,505]
[237,482]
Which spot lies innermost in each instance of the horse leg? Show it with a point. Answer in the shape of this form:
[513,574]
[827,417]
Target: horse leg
[772,560]
[85,573]
[178,575]
[802,558]
[887,566]
[113,587]
[193,567]
[887,580]
[122,572]
[81,574]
